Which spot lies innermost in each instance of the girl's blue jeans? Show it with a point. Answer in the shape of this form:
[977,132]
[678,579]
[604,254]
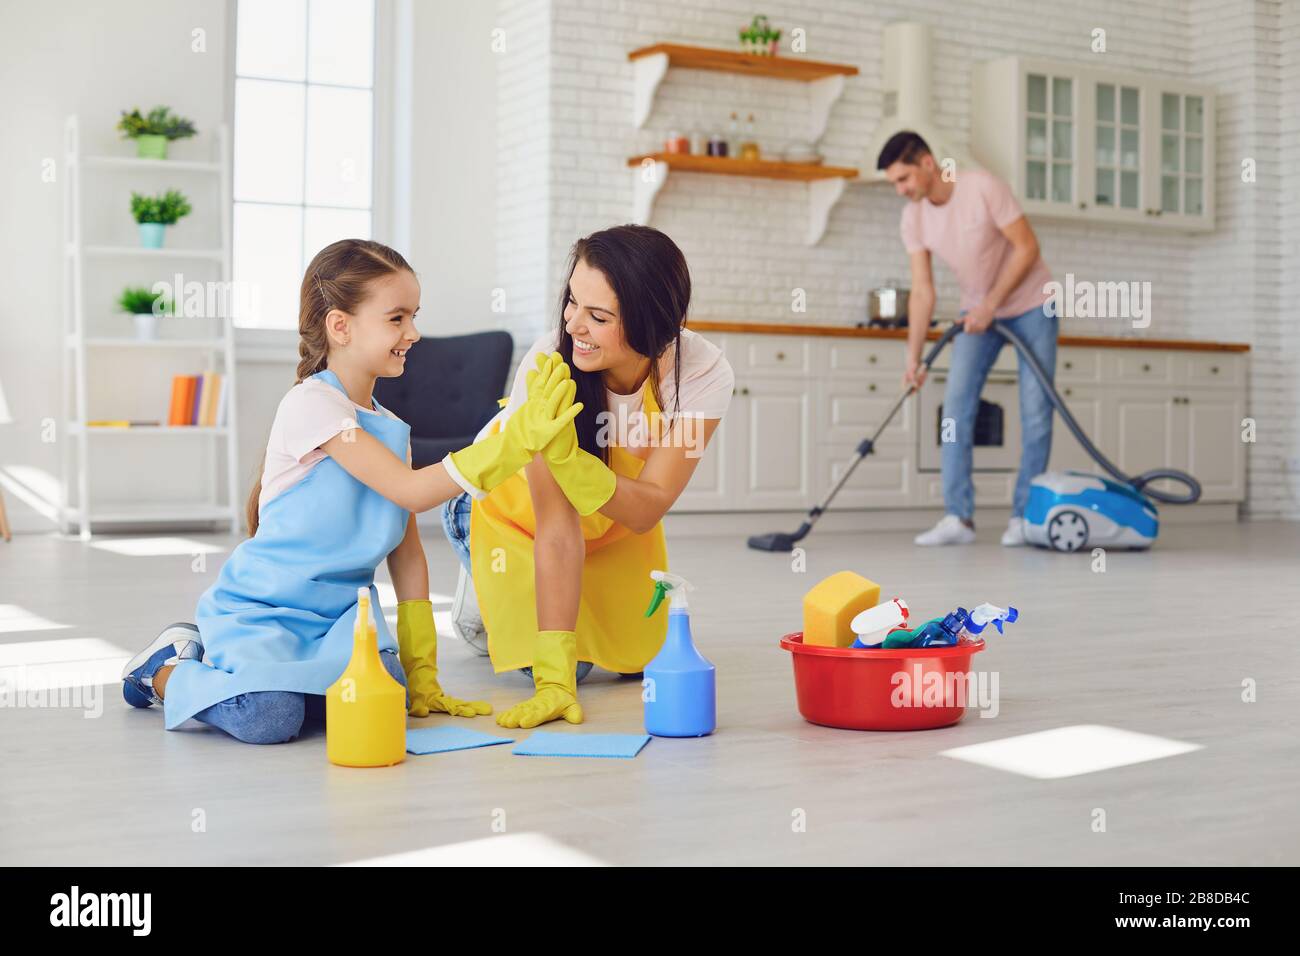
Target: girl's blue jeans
[277,716]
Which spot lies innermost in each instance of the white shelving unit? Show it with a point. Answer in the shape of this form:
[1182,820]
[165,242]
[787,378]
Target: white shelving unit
[84,445]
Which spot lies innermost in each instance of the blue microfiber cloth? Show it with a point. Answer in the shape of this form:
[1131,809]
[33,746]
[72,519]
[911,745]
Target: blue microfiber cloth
[437,740]
[544,744]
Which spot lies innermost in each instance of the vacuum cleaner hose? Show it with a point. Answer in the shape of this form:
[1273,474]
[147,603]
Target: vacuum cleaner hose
[1140,482]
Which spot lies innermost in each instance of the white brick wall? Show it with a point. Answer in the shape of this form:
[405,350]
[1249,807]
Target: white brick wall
[744,238]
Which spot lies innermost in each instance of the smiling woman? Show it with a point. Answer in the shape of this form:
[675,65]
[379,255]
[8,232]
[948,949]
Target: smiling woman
[586,514]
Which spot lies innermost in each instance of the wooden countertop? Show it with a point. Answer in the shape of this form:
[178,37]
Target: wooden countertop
[847,331]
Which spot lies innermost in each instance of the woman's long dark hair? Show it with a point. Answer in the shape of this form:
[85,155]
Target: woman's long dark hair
[648,274]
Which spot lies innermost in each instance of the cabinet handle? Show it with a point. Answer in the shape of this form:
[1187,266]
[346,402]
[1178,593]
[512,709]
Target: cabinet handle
[1083,205]
[1146,367]
[871,359]
[1214,370]
[745,390]
[1069,365]
[780,356]
[1069,391]
[871,387]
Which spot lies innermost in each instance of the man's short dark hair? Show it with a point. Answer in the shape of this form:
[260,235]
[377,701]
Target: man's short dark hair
[906,147]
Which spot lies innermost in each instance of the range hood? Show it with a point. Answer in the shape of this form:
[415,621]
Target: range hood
[906,74]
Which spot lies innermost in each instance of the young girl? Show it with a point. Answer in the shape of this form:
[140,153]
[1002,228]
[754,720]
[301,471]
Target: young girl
[562,553]
[337,496]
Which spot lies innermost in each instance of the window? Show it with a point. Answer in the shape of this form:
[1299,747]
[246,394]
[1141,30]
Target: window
[303,143]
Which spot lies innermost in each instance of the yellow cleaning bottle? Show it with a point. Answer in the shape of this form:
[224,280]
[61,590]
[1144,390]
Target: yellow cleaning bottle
[365,709]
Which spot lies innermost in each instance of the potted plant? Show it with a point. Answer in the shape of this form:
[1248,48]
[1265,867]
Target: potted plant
[155,213]
[759,39]
[144,307]
[152,132]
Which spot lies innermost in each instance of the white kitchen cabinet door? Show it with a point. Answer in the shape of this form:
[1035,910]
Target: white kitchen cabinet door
[1151,432]
[884,479]
[1089,405]
[1050,131]
[1215,451]
[1111,164]
[1180,175]
[1026,127]
[711,487]
[774,419]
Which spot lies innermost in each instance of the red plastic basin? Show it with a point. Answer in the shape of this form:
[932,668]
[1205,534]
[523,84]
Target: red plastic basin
[857,689]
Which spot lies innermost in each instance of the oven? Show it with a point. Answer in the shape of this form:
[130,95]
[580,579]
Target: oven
[997,426]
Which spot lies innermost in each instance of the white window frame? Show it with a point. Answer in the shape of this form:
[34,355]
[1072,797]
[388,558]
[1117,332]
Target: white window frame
[390,221]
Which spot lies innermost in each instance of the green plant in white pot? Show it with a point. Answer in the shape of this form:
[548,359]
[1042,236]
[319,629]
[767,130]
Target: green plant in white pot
[144,307]
[153,132]
[154,214]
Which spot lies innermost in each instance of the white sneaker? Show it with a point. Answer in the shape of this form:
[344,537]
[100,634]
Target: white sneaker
[466,620]
[1014,536]
[949,530]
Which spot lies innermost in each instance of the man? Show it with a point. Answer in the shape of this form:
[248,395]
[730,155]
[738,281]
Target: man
[977,228]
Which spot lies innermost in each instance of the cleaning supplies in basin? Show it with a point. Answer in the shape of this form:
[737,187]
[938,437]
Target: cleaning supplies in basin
[953,628]
[875,623]
[987,614]
[830,606]
[680,690]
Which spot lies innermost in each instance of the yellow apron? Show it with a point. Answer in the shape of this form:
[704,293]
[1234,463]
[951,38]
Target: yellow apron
[612,630]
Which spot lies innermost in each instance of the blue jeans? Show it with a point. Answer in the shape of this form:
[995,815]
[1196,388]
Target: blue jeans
[277,716]
[972,357]
[455,522]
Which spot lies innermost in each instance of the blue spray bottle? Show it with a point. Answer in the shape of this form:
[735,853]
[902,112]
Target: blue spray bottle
[678,688]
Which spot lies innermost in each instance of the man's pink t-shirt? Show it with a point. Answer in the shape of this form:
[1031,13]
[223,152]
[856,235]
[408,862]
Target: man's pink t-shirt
[965,232]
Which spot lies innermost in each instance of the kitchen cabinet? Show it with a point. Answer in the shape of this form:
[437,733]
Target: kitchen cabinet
[802,403]
[1097,145]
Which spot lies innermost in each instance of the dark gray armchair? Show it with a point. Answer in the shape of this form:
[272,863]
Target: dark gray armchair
[448,391]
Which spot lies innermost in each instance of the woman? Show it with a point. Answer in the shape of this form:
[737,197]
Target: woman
[561,553]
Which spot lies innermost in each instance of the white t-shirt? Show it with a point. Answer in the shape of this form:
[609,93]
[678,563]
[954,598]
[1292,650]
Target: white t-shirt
[707,380]
[706,386]
[310,414]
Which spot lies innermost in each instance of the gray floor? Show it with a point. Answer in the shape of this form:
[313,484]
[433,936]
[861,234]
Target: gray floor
[1160,644]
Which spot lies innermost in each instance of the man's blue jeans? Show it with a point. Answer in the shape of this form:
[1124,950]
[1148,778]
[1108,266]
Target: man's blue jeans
[972,357]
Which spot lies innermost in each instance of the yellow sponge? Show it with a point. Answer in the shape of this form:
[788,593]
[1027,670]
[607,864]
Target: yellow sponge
[831,606]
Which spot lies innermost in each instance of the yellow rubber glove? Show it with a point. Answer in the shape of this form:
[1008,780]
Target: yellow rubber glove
[585,480]
[417,646]
[548,410]
[555,663]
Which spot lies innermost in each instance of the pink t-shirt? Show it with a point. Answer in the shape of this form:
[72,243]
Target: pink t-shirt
[310,414]
[965,232]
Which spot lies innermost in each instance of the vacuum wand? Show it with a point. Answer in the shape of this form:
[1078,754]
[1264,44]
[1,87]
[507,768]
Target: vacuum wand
[780,541]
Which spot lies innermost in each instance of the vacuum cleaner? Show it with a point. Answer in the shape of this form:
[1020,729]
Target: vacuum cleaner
[1066,511]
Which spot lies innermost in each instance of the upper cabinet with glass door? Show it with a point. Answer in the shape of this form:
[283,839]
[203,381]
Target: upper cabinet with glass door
[1184,191]
[1098,146]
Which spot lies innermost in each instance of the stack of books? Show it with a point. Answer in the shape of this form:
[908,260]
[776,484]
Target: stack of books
[198,400]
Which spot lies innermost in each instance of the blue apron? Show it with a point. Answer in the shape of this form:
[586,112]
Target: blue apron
[281,613]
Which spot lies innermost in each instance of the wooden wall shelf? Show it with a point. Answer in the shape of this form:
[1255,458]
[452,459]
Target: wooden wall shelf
[727,166]
[825,183]
[730,61]
[651,63]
